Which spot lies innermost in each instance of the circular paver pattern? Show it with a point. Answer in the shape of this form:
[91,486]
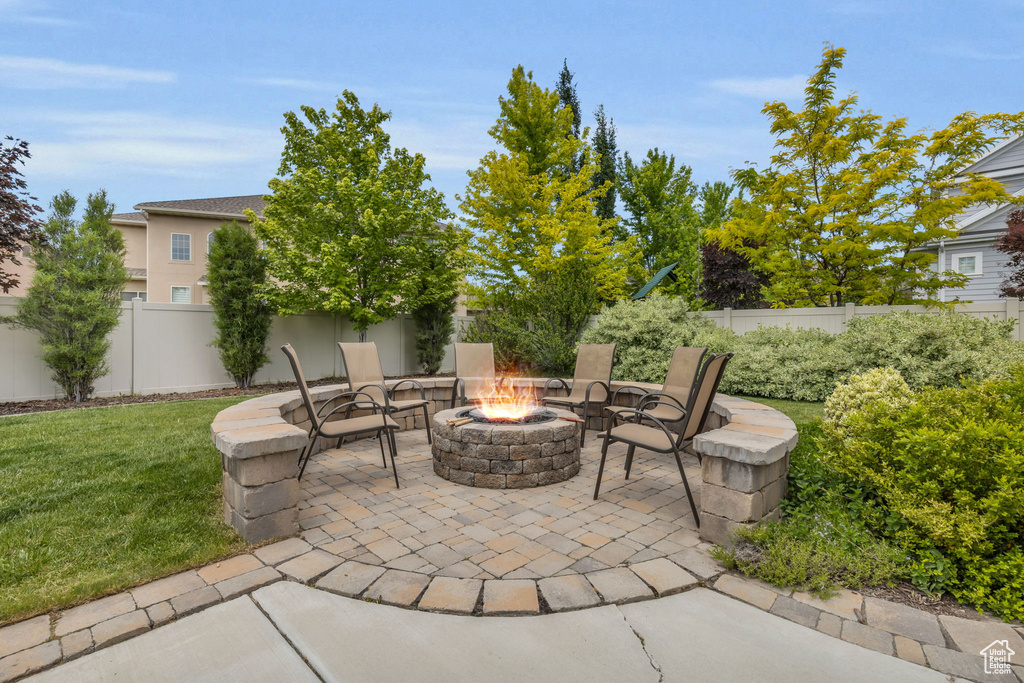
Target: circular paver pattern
[349,507]
[506,456]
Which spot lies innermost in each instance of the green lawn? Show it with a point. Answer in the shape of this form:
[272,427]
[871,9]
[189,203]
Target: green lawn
[94,501]
[803,413]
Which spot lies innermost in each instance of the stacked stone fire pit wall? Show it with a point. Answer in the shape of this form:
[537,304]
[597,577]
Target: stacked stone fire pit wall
[745,449]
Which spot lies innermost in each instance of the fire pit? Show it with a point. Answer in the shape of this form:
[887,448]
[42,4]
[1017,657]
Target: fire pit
[506,442]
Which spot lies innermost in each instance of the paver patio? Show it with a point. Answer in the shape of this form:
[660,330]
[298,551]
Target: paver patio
[350,508]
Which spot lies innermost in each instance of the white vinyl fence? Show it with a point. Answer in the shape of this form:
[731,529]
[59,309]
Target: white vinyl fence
[833,320]
[160,348]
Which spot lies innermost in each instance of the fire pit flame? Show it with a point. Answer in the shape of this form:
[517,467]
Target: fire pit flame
[505,403]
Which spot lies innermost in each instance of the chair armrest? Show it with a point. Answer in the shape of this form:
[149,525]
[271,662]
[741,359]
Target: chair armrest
[673,405]
[640,415]
[548,383]
[646,398]
[357,404]
[607,390]
[615,394]
[344,393]
[423,395]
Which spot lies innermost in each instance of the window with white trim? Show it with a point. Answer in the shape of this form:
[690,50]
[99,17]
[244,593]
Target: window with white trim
[181,295]
[967,264]
[209,243]
[128,296]
[181,246]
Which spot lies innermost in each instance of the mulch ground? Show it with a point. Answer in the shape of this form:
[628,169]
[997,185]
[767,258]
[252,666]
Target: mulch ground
[43,405]
[906,594]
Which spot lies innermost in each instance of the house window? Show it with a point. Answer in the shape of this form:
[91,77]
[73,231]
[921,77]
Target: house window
[181,295]
[967,264]
[209,243]
[181,246]
[128,296]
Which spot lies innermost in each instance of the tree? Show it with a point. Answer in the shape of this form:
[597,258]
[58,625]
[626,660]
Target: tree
[18,224]
[727,278]
[608,159]
[74,301]
[566,90]
[531,218]
[350,221]
[237,273]
[848,200]
[1011,243]
[660,200]
[435,322]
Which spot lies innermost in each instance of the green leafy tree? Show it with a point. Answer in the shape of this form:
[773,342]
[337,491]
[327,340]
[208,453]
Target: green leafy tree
[530,217]
[608,158]
[566,90]
[74,301]
[848,199]
[350,221]
[237,273]
[660,201]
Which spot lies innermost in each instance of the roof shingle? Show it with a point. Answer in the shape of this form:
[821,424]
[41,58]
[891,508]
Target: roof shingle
[219,206]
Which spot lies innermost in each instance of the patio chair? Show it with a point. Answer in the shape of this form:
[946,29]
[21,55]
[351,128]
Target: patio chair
[474,373]
[590,382]
[656,436]
[322,425]
[364,372]
[680,380]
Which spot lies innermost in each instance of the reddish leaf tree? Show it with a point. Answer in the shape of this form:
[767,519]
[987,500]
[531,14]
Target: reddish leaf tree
[1012,244]
[18,224]
[729,281]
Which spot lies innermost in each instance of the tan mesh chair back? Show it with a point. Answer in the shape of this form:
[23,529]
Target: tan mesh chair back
[700,403]
[682,372]
[593,364]
[300,379]
[362,367]
[474,365]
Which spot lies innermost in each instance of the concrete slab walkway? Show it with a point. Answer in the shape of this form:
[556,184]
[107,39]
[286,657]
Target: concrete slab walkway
[288,631]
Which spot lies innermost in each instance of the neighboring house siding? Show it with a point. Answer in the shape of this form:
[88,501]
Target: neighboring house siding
[983,287]
[1012,156]
[163,272]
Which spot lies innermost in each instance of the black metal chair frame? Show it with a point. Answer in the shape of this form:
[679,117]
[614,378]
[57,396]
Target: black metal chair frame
[641,402]
[390,394]
[316,428]
[676,440]
[586,400]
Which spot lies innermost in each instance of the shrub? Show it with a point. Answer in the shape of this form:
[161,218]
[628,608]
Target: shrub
[881,385]
[435,324]
[931,349]
[237,273]
[509,336]
[782,362]
[647,332]
[944,479]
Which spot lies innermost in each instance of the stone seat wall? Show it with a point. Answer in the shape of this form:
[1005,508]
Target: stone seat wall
[745,450]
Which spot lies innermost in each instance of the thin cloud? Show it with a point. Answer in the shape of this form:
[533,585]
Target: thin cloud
[105,142]
[40,74]
[294,83]
[762,88]
[962,50]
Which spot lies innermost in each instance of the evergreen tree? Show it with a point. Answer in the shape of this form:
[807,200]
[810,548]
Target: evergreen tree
[439,290]
[237,273]
[605,147]
[566,90]
[74,301]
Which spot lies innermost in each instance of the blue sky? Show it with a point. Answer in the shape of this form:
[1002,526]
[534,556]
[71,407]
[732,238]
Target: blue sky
[177,100]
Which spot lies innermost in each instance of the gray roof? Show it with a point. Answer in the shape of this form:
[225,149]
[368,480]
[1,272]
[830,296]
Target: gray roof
[135,217]
[225,207]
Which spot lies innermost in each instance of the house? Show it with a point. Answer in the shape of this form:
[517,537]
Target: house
[167,243]
[973,252]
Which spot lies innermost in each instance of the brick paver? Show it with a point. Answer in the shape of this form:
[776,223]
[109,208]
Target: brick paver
[449,594]
[510,597]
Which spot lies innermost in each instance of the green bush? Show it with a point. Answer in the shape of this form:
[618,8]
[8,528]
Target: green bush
[884,385]
[647,332]
[931,350]
[943,476]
